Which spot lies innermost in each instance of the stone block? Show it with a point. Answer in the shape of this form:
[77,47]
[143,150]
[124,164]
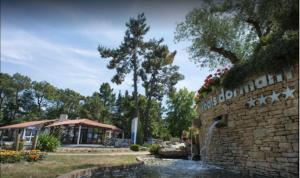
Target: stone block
[292,126]
[291,111]
[295,147]
[263,148]
[290,155]
[260,132]
[285,146]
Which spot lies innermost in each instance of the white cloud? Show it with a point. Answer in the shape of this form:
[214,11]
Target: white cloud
[67,66]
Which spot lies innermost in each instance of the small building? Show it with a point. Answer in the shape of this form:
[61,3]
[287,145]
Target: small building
[26,130]
[90,132]
[78,131]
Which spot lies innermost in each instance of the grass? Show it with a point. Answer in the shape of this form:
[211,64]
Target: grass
[55,165]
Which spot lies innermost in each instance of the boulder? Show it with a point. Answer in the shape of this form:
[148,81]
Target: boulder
[172,150]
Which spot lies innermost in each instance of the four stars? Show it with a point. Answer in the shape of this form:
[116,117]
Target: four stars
[274,97]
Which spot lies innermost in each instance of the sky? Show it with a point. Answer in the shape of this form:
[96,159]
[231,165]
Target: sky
[56,41]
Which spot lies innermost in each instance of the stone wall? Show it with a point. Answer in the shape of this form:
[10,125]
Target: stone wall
[258,140]
[106,171]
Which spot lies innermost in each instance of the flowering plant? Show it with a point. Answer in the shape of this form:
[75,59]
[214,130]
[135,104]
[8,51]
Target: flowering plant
[34,155]
[210,84]
[11,156]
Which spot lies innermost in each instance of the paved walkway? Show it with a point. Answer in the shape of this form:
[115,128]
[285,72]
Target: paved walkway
[103,154]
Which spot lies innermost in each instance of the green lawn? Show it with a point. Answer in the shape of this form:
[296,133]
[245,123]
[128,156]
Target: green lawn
[55,165]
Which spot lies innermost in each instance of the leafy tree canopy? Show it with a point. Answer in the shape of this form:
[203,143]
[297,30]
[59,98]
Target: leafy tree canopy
[232,31]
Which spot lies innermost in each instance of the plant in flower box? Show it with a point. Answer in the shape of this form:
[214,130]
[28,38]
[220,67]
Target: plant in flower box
[211,83]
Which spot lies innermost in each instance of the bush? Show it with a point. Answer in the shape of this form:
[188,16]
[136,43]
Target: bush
[47,143]
[154,149]
[147,145]
[135,147]
[33,155]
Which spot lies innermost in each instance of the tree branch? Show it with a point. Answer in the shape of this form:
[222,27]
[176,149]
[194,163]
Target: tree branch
[256,26]
[227,54]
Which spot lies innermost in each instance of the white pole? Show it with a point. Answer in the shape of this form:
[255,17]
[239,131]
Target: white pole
[24,134]
[79,132]
[134,125]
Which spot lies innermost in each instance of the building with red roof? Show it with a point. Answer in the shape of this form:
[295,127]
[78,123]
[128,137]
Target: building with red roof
[78,131]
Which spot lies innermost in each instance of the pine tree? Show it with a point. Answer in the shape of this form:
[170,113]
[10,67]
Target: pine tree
[126,58]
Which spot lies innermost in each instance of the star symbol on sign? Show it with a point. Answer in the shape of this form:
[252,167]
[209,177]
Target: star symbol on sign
[251,103]
[288,93]
[274,97]
[262,100]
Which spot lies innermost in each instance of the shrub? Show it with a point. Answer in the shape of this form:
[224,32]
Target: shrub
[34,155]
[147,145]
[154,149]
[47,142]
[10,156]
[135,147]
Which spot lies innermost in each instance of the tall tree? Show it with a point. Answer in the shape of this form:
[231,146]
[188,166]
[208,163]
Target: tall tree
[126,58]
[153,74]
[231,31]
[180,111]
[93,108]
[20,84]
[71,102]
[6,90]
[107,96]
[42,92]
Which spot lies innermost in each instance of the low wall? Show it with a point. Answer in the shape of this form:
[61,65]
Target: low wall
[105,171]
[262,132]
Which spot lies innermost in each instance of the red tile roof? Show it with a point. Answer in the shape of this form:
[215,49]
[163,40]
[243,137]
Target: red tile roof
[26,124]
[85,122]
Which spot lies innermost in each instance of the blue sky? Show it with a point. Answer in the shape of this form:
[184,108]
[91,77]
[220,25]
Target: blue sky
[57,41]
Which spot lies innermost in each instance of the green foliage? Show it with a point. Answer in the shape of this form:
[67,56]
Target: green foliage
[160,130]
[48,143]
[135,147]
[180,111]
[158,75]
[43,91]
[154,148]
[282,52]
[93,108]
[217,38]
[263,32]
[147,145]
[126,58]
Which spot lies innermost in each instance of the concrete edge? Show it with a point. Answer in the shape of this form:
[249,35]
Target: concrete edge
[89,171]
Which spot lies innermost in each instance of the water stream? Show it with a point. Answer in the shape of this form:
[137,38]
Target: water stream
[205,149]
[180,168]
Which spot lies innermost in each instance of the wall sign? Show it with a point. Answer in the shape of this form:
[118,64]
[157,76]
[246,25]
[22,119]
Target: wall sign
[288,93]
[249,86]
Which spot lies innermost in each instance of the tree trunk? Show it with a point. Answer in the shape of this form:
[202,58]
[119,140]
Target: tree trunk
[135,75]
[256,26]
[17,105]
[147,129]
[39,106]
[227,54]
